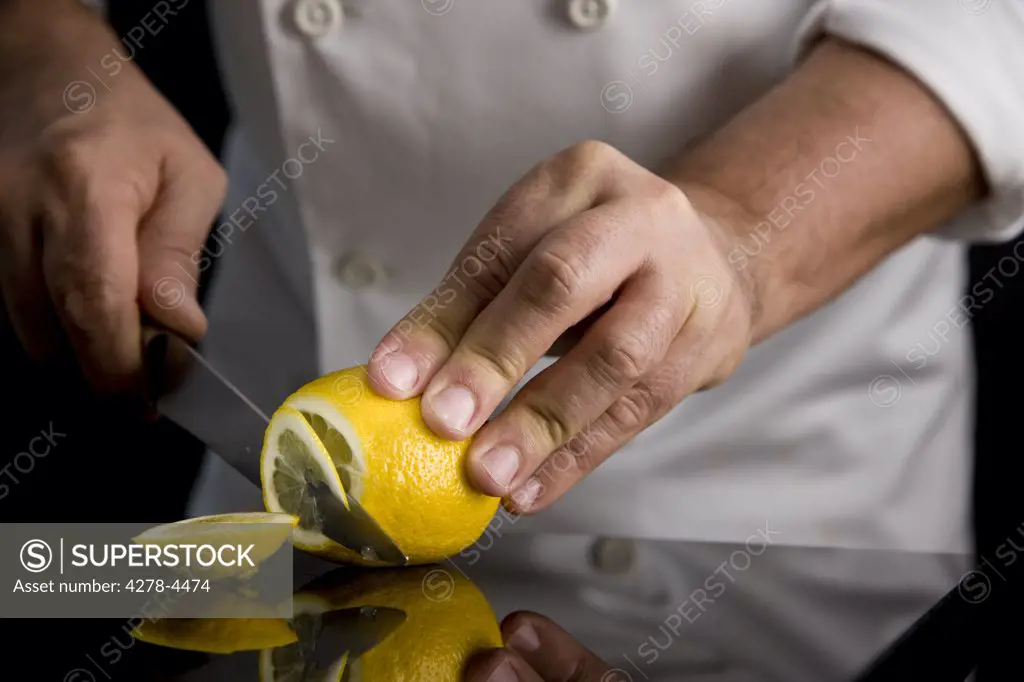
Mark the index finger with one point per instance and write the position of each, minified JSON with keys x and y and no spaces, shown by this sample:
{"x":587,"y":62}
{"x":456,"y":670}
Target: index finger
{"x":91,"y":269}
{"x":573,"y":271}
{"x":420,"y":343}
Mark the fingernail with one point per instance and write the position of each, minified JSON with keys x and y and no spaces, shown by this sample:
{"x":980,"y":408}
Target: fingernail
{"x":501,"y":463}
{"x":524,"y":639}
{"x":527,"y":494}
{"x":400,"y":371}
{"x":504,"y":673}
{"x":454,"y":406}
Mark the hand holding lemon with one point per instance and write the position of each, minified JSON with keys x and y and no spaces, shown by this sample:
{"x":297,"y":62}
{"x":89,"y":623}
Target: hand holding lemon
{"x":337,"y":431}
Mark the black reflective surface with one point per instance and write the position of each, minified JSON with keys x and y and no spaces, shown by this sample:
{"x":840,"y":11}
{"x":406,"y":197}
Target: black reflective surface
{"x":756,"y":610}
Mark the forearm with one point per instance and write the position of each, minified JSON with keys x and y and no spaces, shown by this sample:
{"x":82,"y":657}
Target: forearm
{"x":28,"y":28}
{"x":45,"y":45}
{"x":824,"y":176}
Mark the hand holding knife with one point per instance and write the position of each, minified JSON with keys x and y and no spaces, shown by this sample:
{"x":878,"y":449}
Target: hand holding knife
{"x":181,"y":382}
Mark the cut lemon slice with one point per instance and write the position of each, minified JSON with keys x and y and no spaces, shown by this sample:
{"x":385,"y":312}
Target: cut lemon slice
{"x":265,"y":531}
{"x":382,"y":455}
{"x":348,"y":465}
{"x":294,"y":461}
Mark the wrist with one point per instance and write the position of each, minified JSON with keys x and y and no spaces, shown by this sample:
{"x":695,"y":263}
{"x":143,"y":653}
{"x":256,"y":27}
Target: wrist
{"x":729,"y":225}
{"x":50,"y":53}
{"x":35,"y":28}
{"x":45,"y":45}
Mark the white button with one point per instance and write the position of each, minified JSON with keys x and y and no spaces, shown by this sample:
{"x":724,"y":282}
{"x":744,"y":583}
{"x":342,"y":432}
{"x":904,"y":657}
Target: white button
{"x":612,"y":555}
{"x":588,"y":14}
{"x":316,"y":18}
{"x":359,"y":271}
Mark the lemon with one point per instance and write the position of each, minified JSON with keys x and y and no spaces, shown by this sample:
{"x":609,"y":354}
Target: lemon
{"x":447,"y":620}
{"x":265,"y":531}
{"x":217,"y":635}
{"x":379,"y":452}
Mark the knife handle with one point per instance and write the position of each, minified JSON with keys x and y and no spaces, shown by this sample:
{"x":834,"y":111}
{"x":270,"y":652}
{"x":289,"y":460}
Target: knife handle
{"x":164,"y":369}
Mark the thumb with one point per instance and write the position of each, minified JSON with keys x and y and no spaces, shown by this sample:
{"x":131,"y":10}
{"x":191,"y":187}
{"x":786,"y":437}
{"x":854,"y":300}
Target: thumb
{"x":171,"y":239}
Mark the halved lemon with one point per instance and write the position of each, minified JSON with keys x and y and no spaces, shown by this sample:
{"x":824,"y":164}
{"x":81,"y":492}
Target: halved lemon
{"x":380,"y":453}
{"x":265,"y":531}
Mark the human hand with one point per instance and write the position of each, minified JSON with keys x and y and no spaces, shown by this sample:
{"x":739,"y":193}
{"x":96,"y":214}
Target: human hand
{"x":588,"y":241}
{"x":101,"y":211}
{"x":537,"y":650}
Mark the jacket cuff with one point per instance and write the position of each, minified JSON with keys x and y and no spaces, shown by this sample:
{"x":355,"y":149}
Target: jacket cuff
{"x":970,"y":55}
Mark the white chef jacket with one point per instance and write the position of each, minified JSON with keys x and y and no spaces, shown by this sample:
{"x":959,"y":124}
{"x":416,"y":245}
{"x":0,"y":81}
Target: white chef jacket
{"x":370,"y":137}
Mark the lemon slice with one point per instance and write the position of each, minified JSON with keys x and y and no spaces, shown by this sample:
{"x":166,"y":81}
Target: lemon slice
{"x":380,"y":453}
{"x":265,"y":531}
{"x":294,"y":460}
{"x":217,"y":635}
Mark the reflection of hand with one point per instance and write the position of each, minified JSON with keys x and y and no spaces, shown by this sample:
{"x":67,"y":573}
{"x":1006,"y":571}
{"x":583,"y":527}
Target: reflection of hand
{"x":105,"y":196}
{"x":587,"y":234}
{"x":537,"y":650}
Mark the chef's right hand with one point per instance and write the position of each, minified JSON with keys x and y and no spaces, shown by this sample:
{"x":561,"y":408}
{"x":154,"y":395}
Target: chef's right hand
{"x":105,"y":196}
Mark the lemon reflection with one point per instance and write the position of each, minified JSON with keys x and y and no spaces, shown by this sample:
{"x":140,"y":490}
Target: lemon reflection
{"x":373,"y":625}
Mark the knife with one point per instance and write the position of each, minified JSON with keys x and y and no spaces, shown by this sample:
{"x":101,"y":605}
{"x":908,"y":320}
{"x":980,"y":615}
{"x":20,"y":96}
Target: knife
{"x":352,"y":631}
{"x":180,"y":379}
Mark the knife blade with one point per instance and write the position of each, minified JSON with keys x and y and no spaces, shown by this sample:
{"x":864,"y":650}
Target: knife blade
{"x":181,"y":380}
{"x":354,"y":631}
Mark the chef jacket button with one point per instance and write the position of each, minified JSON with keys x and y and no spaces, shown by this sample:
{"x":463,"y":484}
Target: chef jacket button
{"x":316,"y":18}
{"x":589,"y":14}
{"x":359,"y":271}
{"x":612,"y":555}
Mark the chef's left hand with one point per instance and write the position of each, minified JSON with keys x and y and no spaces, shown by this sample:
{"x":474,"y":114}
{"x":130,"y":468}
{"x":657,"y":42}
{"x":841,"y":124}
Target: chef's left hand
{"x":587,"y":239}
{"x":537,"y":650}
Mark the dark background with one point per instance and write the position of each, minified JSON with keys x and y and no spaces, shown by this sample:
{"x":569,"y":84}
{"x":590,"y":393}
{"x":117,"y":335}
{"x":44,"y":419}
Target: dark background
{"x":111,"y":468}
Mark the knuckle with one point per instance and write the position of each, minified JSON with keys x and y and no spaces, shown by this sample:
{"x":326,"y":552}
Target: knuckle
{"x":553,"y":425}
{"x":72,"y":167}
{"x":481,"y":272}
{"x":103,"y":199}
{"x":505,"y":362}
{"x":621,"y":360}
{"x":583,"y":671}
{"x":66,"y":160}
{"x":581,"y":454}
{"x":669,"y":194}
{"x":214,"y":178}
{"x":445,"y":333}
{"x":588,"y":153}
{"x":563,"y":172}
{"x":554,"y":281}
{"x":83,"y":298}
{"x":635,"y":409}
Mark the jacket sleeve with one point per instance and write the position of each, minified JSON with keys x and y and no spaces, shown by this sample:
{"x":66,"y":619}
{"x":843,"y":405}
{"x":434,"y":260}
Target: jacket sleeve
{"x":970,"y":55}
